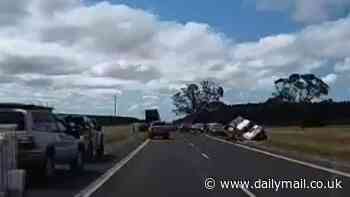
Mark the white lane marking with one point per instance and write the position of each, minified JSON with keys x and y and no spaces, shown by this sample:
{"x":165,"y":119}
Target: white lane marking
{"x":249,"y":193}
{"x":205,"y":155}
{"x":337,"y":172}
{"x":90,"y":189}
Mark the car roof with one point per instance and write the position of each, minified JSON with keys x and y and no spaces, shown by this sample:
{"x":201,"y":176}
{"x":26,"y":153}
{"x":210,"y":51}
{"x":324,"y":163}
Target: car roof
{"x":23,"y":106}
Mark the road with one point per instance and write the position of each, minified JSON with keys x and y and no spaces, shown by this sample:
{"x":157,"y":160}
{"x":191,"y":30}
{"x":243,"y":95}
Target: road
{"x":65,"y":183}
{"x":180,"y":166}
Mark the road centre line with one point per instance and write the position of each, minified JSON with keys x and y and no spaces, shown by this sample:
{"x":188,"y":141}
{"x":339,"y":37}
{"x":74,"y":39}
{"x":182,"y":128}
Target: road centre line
{"x":315,"y":166}
{"x":94,"y":186}
{"x":245,"y":190}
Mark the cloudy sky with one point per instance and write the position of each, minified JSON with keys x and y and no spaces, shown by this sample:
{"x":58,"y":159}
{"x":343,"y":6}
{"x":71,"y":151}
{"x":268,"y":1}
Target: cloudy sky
{"x":76,"y":54}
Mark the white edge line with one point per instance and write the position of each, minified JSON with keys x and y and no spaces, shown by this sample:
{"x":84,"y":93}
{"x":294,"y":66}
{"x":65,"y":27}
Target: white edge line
{"x":245,"y":190}
{"x":90,"y":189}
{"x":205,"y":155}
{"x":345,"y":174}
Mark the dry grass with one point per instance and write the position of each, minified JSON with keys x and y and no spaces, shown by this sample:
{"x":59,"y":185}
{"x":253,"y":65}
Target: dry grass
{"x":330,"y":142}
{"x":115,"y":134}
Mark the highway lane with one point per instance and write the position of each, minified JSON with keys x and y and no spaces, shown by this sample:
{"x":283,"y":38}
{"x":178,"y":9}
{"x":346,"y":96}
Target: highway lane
{"x":180,"y":166}
{"x":163,"y":168}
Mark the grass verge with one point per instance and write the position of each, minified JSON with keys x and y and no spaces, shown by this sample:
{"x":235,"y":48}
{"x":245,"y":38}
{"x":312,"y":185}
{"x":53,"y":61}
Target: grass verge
{"x":328,"y":142}
{"x":115,"y":134}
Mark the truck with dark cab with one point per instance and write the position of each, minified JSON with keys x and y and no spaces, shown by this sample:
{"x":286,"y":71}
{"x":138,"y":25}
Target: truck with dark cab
{"x":151,"y":115}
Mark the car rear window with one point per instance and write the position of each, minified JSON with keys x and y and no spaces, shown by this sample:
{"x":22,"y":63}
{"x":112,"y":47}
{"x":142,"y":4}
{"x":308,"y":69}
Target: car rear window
{"x":44,"y":121}
{"x":12,"y":118}
{"x":159,"y":124}
{"x":76,"y":120}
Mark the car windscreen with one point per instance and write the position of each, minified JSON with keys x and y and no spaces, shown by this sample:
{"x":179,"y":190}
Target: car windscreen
{"x":12,"y":118}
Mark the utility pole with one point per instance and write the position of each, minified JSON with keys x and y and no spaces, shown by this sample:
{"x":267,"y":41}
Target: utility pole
{"x":115,"y":105}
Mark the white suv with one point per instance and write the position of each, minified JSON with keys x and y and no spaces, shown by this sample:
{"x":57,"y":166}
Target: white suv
{"x":42,"y":141}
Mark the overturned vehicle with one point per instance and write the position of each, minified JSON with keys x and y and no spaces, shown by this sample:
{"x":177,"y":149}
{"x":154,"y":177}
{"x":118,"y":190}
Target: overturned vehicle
{"x":243,"y":129}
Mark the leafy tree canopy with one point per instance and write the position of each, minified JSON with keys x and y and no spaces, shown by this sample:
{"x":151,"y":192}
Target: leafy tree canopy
{"x":195,"y":97}
{"x":300,"y":88}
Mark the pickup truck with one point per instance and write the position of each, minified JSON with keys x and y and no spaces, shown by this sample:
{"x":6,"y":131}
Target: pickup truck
{"x":161,"y":129}
{"x":43,"y":141}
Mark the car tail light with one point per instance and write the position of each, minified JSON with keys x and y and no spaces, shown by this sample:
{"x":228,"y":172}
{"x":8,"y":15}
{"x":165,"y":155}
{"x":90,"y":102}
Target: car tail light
{"x":82,"y":138}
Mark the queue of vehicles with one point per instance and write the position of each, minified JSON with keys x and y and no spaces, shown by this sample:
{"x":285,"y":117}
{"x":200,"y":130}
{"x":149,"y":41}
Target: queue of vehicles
{"x":45,"y":140}
{"x":238,"y":129}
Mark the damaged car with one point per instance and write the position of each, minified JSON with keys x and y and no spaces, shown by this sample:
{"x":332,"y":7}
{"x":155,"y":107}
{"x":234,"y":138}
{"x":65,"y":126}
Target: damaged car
{"x":244,"y":129}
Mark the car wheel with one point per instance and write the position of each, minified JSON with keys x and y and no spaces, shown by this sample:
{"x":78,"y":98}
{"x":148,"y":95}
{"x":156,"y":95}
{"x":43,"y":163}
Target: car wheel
{"x":166,"y":136}
{"x":78,"y":164}
{"x":90,"y":152}
{"x":49,"y":169}
{"x":101,"y":150}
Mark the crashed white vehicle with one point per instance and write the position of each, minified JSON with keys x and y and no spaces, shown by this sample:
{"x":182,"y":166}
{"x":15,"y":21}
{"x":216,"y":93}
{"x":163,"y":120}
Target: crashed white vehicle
{"x":243,"y":129}
{"x":253,"y":132}
{"x":244,"y":125}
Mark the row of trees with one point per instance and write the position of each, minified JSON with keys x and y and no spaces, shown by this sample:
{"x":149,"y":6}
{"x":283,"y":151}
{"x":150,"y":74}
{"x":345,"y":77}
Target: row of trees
{"x":297,"y":88}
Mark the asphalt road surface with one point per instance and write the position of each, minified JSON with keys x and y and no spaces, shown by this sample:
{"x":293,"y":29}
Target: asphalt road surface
{"x":68,"y":184}
{"x":180,"y":166}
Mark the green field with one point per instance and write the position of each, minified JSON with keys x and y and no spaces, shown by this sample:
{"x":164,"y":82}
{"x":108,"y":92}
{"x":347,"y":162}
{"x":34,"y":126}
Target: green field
{"x":331,"y":142}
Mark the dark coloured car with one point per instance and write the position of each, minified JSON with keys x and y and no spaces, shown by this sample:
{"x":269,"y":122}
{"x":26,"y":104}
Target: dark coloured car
{"x":161,"y":129}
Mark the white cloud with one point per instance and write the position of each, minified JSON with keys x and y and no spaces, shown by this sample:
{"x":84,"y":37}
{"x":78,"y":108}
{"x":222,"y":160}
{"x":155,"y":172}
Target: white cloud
{"x":343,"y":65}
{"x":86,"y":53}
{"x":11,"y":12}
{"x":133,"y":107}
{"x":150,"y":97}
{"x":51,"y":7}
{"x":330,"y":78}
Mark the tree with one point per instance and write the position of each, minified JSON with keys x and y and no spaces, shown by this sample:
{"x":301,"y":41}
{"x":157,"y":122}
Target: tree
{"x":195,"y":97}
{"x":300,"y":88}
